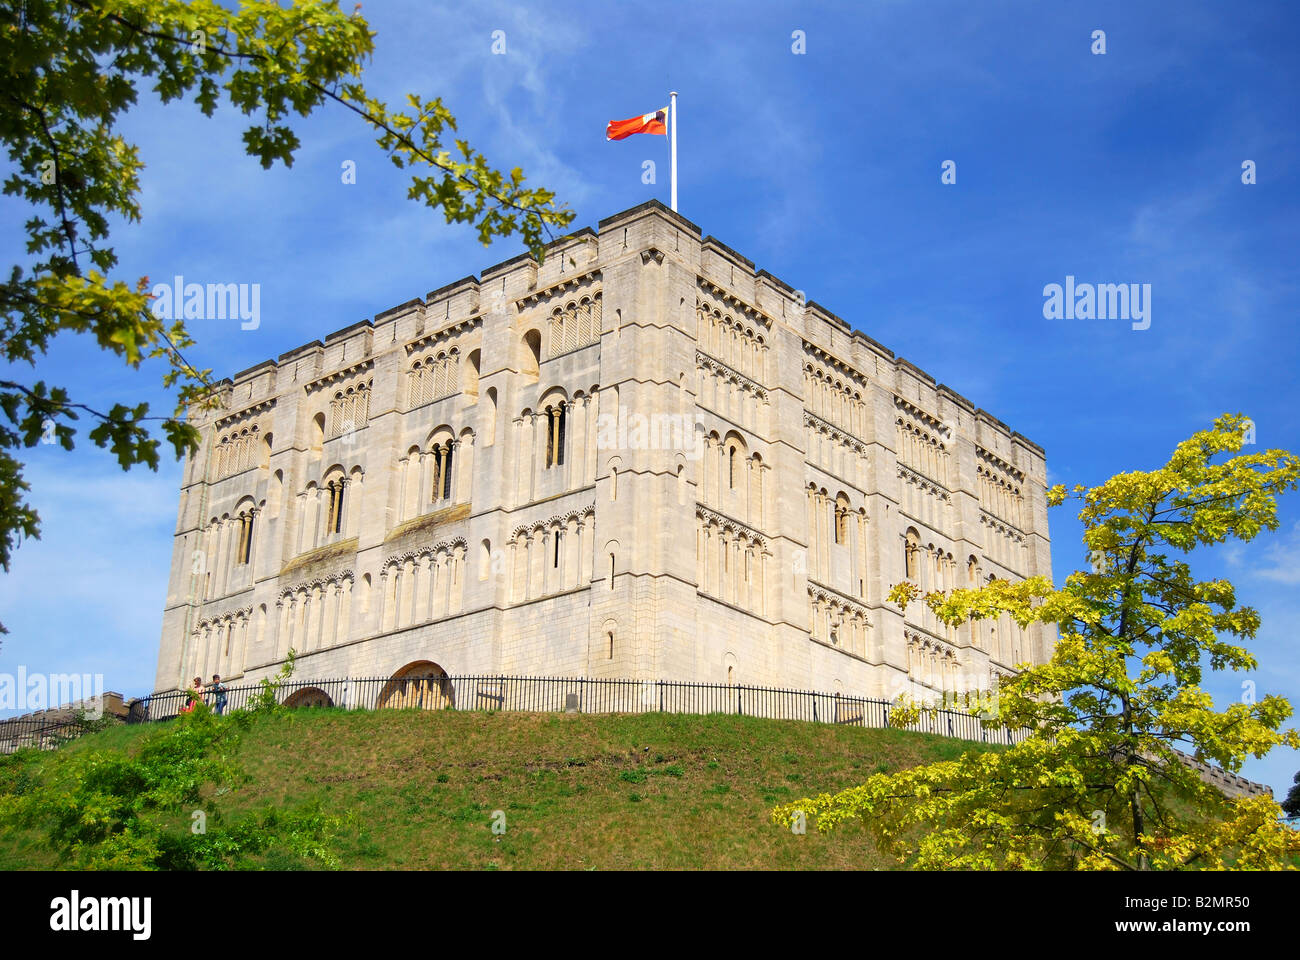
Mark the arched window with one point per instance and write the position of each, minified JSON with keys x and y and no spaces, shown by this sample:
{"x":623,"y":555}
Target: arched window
{"x":334,"y":521}
{"x":555,"y":426}
{"x":244,"y":549}
{"x":532,"y":354}
{"x":471,"y":374}
{"x":911,"y":549}
{"x":842,"y":519}
{"x":442,"y":471}
{"x":317,"y":433}
{"x":731,"y":467}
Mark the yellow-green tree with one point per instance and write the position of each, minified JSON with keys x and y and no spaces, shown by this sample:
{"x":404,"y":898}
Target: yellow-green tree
{"x":69,"y":70}
{"x":1100,"y":782}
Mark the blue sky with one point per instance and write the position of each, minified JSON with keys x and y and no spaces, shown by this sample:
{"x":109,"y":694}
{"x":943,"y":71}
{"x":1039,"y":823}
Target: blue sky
{"x":824,"y":168}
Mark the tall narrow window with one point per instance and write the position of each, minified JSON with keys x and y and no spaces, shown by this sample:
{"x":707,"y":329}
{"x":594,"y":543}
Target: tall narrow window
{"x":246,"y":547}
{"x":559,"y":435}
{"x":731,"y":468}
{"x":437,"y":473}
{"x":555,"y":436}
{"x":912,"y":545}
{"x":329,"y":513}
{"x":611,"y":571}
{"x":446,"y":473}
{"x":559,"y":537}
{"x":334,"y":521}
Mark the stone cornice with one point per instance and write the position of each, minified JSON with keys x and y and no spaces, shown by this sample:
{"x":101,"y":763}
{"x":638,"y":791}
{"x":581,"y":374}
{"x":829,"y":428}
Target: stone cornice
{"x":322,"y":554}
{"x":558,"y":519}
{"x":230,"y":615}
{"x":729,"y":523}
{"x":993,"y":460}
{"x":418,"y":553}
{"x":821,"y":355}
{"x":837,"y":433}
{"x":321,"y":383}
{"x":710,"y":362}
{"x":335,"y":578}
{"x":929,"y":419}
{"x":993,"y":520}
{"x":731,"y":301}
{"x":923,"y":636}
{"x":256,"y":409}
{"x":905,"y":472}
{"x":546,"y":293}
{"x":828,"y":594}
{"x":442,"y":333}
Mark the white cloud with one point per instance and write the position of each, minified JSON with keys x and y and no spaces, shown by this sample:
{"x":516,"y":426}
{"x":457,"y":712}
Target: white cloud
{"x":88,"y":595}
{"x":1283,"y":559}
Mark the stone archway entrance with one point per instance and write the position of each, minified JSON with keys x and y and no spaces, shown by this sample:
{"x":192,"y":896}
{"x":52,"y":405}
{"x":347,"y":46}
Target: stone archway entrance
{"x":422,"y":685}
{"x":309,"y":697}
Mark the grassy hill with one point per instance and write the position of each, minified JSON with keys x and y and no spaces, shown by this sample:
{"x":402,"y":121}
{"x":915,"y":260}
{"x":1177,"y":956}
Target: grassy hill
{"x":656,"y":791}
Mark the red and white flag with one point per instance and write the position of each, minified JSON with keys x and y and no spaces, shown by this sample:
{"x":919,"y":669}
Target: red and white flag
{"x":656,"y":122}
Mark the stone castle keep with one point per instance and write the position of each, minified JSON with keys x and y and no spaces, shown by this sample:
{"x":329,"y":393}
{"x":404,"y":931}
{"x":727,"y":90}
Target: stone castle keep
{"x":642,"y":459}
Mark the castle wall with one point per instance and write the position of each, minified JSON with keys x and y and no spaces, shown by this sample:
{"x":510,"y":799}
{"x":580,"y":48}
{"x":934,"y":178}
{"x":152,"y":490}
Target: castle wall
{"x":642,"y":458}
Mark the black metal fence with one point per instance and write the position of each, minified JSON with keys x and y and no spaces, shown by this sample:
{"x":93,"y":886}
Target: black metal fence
{"x":578,"y":695}
{"x":41,"y":733}
{"x":528,"y":694}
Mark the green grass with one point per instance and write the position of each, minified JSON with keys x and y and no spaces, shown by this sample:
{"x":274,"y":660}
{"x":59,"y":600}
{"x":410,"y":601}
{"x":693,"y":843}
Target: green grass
{"x":579,"y":792}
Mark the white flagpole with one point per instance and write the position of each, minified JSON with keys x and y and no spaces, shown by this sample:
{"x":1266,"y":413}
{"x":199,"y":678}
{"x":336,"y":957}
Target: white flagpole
{"x":673,"y":137}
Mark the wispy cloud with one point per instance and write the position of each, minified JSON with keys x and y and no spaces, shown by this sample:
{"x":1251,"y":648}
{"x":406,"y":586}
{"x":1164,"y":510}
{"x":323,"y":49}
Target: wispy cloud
{"x":1283,"y":559}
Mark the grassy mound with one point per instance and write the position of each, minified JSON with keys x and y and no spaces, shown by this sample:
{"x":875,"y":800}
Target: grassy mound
{"x":653,"y":791}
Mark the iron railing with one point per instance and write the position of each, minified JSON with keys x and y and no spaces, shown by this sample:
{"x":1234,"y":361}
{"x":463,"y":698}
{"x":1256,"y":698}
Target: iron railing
{"x":41,"y":733}
{"x":536,"y":695}
{"x":582,"y":695}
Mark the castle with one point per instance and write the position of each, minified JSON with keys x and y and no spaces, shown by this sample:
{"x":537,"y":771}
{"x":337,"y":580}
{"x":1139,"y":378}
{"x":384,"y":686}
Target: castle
{"x":641,"y":458}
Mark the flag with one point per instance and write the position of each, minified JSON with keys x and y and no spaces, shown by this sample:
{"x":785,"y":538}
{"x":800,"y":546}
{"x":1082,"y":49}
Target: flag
{"x":656,"y":122}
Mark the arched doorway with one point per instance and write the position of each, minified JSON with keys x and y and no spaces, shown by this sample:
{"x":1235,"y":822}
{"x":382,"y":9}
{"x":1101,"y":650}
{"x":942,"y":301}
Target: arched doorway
{"x":422,"y":685}
{"x":309,"y":697}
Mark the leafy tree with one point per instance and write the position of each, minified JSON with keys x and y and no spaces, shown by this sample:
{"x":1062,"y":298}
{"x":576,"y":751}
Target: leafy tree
{"x":1099,"y":782}
{"x":1291,"y":805}
{"x":267,"y":698}
{"x":71,"y":69}
{"x":157,"y":808}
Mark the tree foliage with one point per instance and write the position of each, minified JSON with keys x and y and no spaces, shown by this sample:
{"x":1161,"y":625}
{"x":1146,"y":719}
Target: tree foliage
{"x":1291,"y":804}
{"x":71,"y":69}
{"x":157,"y":808}
{"x":1101,"y":780}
